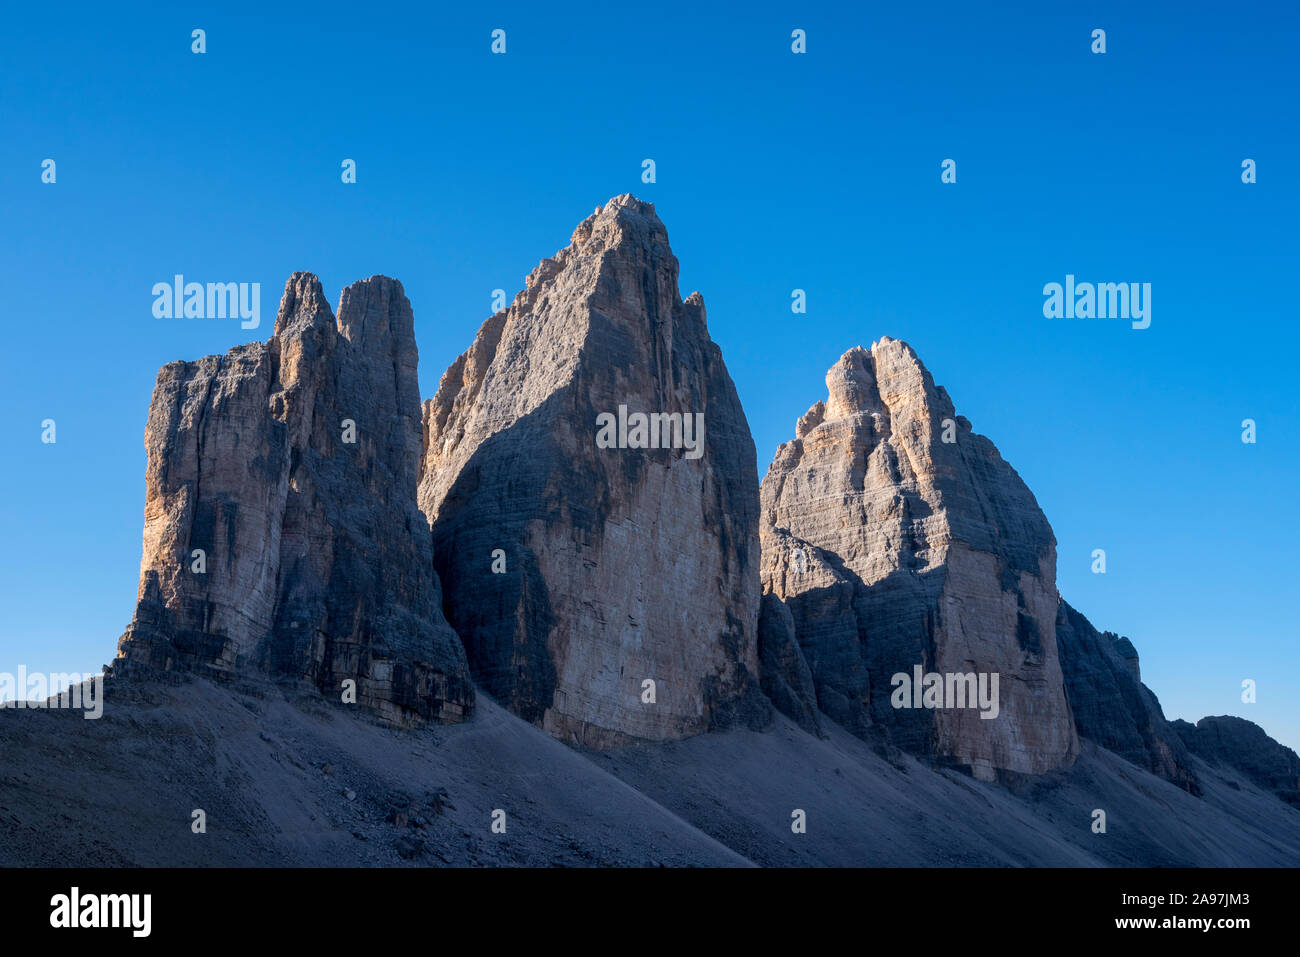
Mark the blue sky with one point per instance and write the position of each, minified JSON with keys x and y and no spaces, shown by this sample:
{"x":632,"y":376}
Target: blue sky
{"x":774,"y":171}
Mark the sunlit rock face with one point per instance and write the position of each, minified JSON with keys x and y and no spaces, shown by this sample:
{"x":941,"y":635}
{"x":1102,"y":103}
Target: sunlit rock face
{"x":898,"y":538}
{"x":282,"y":537}
{"x":624,"y":601}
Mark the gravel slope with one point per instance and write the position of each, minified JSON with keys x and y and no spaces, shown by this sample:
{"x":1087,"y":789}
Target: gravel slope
{"x":289,"y":781}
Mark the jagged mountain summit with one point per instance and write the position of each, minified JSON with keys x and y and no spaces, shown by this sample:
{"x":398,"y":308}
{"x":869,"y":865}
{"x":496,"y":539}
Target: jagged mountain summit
{"x":591,"y":483}
{"x":903,"y":544}
{"x":282,"y":536}
{"x":897,"y":541}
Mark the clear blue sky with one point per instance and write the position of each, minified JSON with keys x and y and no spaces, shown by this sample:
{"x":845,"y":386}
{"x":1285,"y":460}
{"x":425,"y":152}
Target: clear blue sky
{"x":775,"y":171}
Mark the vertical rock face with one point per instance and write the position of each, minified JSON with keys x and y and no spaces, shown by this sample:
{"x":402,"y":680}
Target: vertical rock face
{"x":576,"y":572}
{"x":898,"y":538}
{"x":1111,"y":705}
{"x":292,"y":465}
{"x":1244,"y":745}
{"x":785,"y":676}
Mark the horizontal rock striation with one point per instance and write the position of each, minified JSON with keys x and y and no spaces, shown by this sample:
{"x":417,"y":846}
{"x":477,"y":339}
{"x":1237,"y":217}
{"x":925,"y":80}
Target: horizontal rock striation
{"x":899,"y":538}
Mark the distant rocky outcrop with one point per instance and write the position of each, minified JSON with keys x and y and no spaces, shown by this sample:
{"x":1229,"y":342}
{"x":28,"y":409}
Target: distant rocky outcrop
{"x":578,"y":563}
{"x":1236,"y":743}
{"x":282,"y":536}
{"x":898,"y":538}
{"x":1111,"y":705}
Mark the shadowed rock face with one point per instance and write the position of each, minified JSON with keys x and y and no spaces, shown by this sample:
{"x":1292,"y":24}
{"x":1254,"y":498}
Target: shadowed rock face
{"x":785,"y":676}
{"x":1111,"y":705}
{"x":1236,"y":743}
{"x":318,"y":562}
{"x":615,"y":565}
{"x":894,"y":548}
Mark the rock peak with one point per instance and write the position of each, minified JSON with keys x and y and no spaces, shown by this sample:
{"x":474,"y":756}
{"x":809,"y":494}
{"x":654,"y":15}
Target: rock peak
{"x":375,"y":315}
{"x":613,"y":253}
{"x":282,"y":536}
{"x":850,"y":385}
{"x":622,"y":562}
{"x":624,"y":219}
{"x":898,"y":538}
{"x":853,"y":382}
{"x":303,"y":303}
{"x":626,"y":201}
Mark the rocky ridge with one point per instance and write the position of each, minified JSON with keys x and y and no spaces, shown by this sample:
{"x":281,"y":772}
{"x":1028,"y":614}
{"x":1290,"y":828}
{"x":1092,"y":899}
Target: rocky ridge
{"x":1230,"y":742}
{"x":1110,"y":703}
{"x":613,"y":591}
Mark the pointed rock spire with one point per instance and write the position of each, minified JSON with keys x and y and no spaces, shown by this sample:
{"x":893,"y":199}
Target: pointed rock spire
{"x":899,"y":539}
{"x":601,"y":566}
{"x":282,"y":536}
